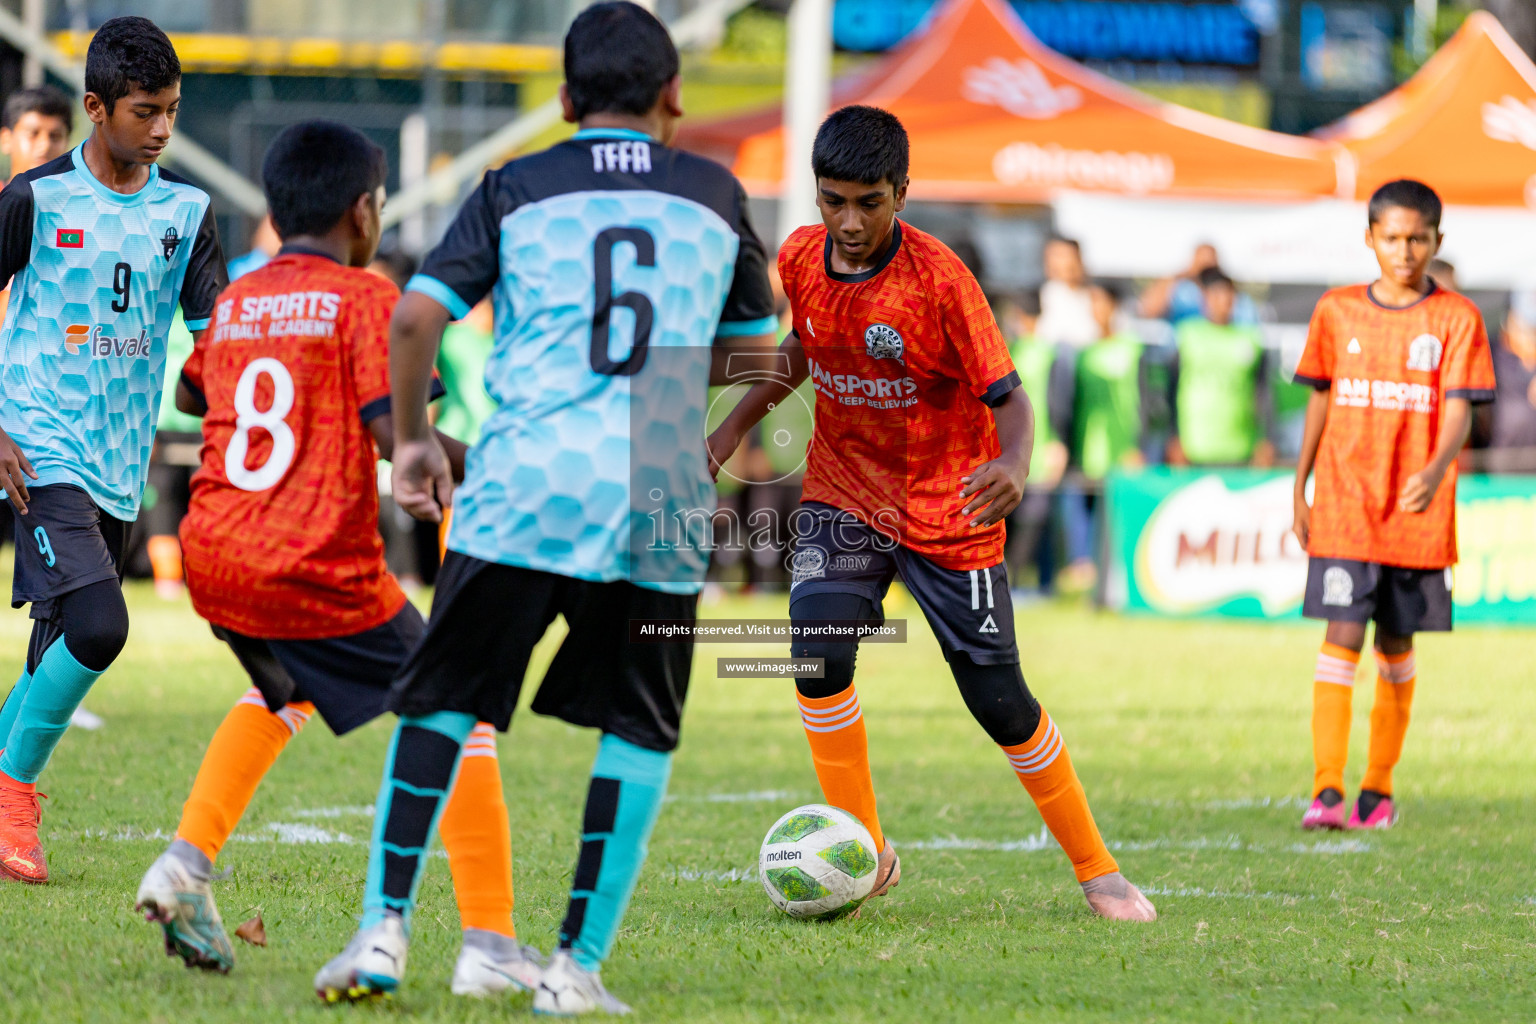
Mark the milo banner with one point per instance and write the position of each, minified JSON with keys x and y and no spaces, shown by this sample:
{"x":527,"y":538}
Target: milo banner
{"x":1187,"y":542}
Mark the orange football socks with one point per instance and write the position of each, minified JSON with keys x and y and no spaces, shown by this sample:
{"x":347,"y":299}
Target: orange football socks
{"x":242,"y":751}
{"x":1395,"y":676}
{"x":478,"y":837}
{"x":840,"y":750}
{"x":1333,"y":687}
{"x":1045,"y":768}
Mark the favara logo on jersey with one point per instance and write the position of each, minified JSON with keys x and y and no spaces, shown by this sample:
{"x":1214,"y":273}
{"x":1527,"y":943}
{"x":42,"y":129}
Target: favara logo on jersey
{"x":97,"y":341}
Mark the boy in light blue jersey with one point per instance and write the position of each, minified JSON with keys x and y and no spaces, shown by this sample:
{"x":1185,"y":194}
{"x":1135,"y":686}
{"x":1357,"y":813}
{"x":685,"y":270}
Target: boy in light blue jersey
{"x":614,"y":263}
{"x":98,"y":246}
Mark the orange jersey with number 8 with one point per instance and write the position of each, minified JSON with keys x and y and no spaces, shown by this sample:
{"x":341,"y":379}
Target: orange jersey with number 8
{"x":281,"y":539}
{"x":1389,"y":373}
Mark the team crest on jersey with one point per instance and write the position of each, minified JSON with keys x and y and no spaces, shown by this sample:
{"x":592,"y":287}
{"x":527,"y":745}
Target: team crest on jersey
{"x":1338,"y":587}
{"x":1424,"y":353}
{"x":882,"y":342}
{"x":170,"y":242}
{"x":808,"y":563}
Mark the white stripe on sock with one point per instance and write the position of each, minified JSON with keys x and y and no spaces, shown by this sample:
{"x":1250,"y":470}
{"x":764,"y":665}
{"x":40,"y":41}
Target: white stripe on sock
{"x":833,"y":728}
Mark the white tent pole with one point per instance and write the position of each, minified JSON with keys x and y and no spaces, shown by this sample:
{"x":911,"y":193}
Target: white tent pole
{"x":703,"y":24}
{"x":1425,"y":13}
{"x":807,"y":92}
{"x":182,"y":151}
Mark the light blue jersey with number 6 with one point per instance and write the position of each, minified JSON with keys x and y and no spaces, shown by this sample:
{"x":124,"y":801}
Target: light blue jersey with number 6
{"x":614,"y":264}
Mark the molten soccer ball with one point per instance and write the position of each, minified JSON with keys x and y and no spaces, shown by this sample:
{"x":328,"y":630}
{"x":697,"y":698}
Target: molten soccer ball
{"x":817,"y":862}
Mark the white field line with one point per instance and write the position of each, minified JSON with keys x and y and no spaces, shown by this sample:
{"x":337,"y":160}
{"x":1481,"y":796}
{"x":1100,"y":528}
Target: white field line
{"x":1248,"y":803}
{"x":1043,"y":840}
{"x":760,"y":796}
{"x":749,"y":875}
{"x":349,"y":811}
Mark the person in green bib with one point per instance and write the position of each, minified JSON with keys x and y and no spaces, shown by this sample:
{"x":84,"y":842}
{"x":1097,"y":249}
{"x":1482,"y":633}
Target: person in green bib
{"x":1045,"y":372}
{"x":1221,"y":398}
{"x":1110,"y":403}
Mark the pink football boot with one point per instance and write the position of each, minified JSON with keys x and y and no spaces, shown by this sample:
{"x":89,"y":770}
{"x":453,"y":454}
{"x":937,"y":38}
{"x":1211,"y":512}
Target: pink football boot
{"x":1327,"y":811}
{"x":1379,"y":811}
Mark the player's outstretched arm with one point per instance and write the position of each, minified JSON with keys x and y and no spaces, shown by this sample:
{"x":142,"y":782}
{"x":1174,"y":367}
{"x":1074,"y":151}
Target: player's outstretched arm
{"x":15,"y":467}
{"x":1419,"y":490}
{"x":995,"y":488}
{"x":756,"y":403}
{"x":1311,"y":437}
{"x":422,"y":480}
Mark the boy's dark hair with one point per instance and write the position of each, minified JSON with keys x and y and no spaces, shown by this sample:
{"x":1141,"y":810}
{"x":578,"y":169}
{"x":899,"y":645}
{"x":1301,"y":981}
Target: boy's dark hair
{"x":1064,"y":240}
{"x":1410,"y":195}
{"x":618,"y":58}
{"x":399,"y":266}
{"x":314,"y":171}
{"x":863,"y":144}
{"x":41,"y":99}
{"x":1213,"y":277}
{"x":1110,"y":288}
{"x":128,"y":52}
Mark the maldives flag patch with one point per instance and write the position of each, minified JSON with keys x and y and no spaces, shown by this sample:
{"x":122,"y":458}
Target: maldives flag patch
{"x":70,"y":238}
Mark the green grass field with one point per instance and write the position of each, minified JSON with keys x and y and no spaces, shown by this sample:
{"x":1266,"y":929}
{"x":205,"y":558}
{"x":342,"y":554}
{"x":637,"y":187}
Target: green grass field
{"x":1192,"y":740}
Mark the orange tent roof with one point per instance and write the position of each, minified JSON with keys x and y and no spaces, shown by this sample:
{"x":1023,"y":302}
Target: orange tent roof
{"x":996,"y":116}
{"x":1465,"y":124}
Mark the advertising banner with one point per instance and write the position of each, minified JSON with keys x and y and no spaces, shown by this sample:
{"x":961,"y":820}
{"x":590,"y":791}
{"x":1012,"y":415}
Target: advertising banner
{"x":1189,"y":542}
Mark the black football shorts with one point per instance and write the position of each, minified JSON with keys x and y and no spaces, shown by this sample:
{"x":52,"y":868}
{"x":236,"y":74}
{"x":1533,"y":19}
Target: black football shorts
{"x":969,"y":610}
{"x":347,"y":678}
{"x":1401,"y":601}
{"x":486,"y":620}
{"x":63,"y":543}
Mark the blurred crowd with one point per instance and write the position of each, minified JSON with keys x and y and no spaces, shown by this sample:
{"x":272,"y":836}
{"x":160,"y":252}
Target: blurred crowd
{"x":1180,"y":374}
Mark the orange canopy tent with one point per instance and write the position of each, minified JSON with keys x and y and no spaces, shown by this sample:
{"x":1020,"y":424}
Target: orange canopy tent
{"x":1465,"y":124}
{"x":996,"y":116}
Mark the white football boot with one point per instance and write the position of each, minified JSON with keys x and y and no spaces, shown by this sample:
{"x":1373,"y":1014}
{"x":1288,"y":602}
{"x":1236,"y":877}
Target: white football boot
{"x":371,"y":966}
{"x":570,"y":990}
{"x":175,"y":894}
{"x":490,"y":963}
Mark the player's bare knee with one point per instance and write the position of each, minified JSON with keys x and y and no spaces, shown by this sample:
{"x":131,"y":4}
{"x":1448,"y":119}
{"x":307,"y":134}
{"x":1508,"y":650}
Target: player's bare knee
{"x":1393,"y":643}
{"x":1346,"y":634}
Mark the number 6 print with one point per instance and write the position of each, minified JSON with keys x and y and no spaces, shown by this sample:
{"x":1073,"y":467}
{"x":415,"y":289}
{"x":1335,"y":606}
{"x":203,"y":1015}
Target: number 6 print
{"x":247,"y":416}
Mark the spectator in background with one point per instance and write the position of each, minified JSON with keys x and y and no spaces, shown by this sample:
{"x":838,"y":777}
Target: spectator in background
{"x":34,"y":129}
{"x":1220,"y":385}
{"x":1046,"y":375}
{"x":1109,"y":406}
{"x":1180,"y":297}
{"x":1066,"y":305}
{"x":35,"y":126}
{"x":264,"y":245}
{"x":1508,"y":425}
{"x":411,"y":547}
{"x":1443,"y":273}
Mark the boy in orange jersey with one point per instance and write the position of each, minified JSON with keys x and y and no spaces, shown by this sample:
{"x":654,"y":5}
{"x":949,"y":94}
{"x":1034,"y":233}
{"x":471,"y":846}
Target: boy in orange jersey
{"x":1397,"y":365}
{"x":921,"y":449}
{"x":283,"y":554}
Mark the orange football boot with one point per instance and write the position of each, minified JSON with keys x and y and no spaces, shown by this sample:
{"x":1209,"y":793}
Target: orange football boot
{"x":21,"y":854}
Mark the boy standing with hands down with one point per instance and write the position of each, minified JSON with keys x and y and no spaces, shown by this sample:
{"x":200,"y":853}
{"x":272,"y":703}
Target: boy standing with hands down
{"x":1397,"y":365}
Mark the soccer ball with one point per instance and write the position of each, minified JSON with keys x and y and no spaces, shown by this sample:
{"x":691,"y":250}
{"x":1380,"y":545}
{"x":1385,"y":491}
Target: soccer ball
{"x":817,"y":862}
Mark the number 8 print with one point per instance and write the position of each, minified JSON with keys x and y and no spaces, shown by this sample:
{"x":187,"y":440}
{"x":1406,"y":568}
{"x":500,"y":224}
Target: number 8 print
{"x":247,"y":417}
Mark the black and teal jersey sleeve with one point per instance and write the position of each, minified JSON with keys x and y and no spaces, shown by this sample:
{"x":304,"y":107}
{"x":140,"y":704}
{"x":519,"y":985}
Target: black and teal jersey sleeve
{"x":463,"y":267}
{"x":749,"y":304}
{"x":206,"y":275}
{"x":16,"y":210}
